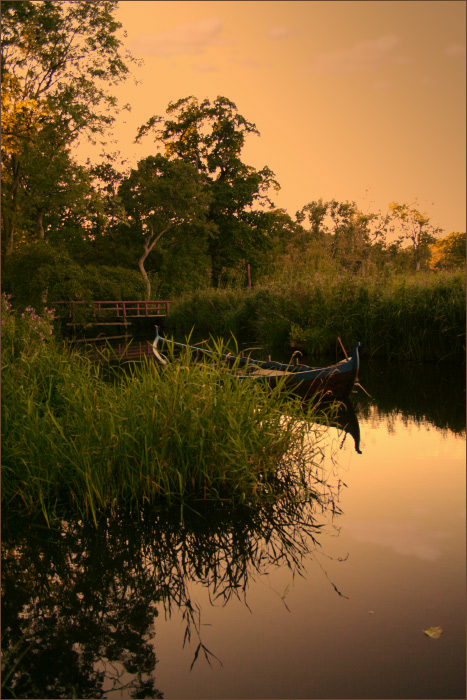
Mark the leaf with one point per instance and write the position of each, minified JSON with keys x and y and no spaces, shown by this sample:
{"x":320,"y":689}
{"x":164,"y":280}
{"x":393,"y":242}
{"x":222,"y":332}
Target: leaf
{"x":433,"y":632}
{"x":196,"y":655}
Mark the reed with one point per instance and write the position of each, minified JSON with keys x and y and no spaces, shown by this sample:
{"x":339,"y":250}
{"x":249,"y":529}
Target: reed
{"x":216,"y":311}
{"x":73,"y":440}
{"x":410,"y":317}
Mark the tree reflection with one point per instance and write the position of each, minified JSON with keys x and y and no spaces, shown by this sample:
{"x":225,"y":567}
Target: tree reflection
{"x":79,"y":603}
{"x":416,"y":392}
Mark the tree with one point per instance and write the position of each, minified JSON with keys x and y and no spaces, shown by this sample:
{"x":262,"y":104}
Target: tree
{"x":35,"y":270}
{"x":416,"y":230}
{"x":448,"y":252}
{"x":53,"y":196}
{"x":57,"y":62}
{"x":162,"y":197}
{"x":210,"y":136}
{"x":37,"y":273}
{"x":287,"y":240}
{"x":343,"y":230}
{"x":108,"y":209}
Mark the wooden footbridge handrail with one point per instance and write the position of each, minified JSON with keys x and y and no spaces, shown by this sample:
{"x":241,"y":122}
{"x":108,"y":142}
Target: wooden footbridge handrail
{"x":121,"y":309}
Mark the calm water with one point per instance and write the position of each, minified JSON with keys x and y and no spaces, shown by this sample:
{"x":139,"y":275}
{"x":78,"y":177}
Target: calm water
{"x":289,"y":603}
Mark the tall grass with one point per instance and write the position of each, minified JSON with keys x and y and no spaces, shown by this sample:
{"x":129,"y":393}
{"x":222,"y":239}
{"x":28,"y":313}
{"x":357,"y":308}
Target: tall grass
{"x":410,"y":317}
{"x":73,"y":440}
{"x":216,"y":311}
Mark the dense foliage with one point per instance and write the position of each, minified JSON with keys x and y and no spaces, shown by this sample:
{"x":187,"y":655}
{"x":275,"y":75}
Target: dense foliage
{"x":192,"y":216}
{"x":58,"y":61}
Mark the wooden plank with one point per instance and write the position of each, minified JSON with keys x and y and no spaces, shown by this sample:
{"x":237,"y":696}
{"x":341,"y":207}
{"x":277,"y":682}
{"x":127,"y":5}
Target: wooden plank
{"x":101,"y":338}
{"x":98,"y":323}
{"x":267,"y":373}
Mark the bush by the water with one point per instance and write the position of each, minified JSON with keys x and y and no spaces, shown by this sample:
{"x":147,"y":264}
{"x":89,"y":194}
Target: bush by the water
{"x":37,"y":271}
{"x":410,"y":317}
{"x":76,"y":440}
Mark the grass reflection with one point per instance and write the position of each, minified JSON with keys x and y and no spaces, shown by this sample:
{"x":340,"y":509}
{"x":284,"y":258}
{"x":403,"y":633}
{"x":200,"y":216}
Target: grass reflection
{"x":79,"y":604}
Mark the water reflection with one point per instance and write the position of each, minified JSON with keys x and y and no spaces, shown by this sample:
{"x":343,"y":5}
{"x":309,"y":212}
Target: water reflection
{"x":346,"y":420}
{"x":408,"y":538}
{"x":417,"y":392}
{"x":79,"y":605}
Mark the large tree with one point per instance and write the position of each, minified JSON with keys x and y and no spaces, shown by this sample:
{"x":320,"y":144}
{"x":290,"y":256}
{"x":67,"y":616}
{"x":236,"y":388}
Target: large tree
{"x":162,"y":198}
{"x":58,"y":63}
{"x":210,"y":136}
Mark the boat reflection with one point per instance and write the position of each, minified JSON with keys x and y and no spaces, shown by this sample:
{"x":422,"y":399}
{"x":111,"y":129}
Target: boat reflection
{"x":345,"y":419}
{"x":340,"y":415}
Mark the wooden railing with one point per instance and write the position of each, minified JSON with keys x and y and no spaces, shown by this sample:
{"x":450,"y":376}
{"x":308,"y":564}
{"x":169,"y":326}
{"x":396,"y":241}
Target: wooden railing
{"x":121,"y":309}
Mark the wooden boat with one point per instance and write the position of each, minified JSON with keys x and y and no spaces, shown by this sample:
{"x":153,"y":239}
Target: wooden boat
{"x":335,"y":381}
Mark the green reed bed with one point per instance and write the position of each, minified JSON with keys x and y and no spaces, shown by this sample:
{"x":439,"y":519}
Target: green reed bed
{"x":75,"y":440}
{"x":412,"y":317}
{"x":216,"y":311}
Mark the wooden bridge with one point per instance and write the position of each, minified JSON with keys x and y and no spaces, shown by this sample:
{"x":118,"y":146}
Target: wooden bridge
{"x":118,"y":316}
{"x":116,"y":309}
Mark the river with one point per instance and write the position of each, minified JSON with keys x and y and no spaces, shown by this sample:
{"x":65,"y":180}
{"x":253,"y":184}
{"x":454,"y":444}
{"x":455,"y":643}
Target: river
{"x":298,"y":602}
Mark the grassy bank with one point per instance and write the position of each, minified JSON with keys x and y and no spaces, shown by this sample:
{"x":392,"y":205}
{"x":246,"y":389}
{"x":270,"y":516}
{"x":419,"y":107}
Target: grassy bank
{"x":414,"y":318}
{"x":76,"y":442}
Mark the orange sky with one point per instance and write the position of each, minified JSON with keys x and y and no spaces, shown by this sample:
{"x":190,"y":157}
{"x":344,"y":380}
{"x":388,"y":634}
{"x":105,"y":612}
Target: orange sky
{"x":360,"y":101}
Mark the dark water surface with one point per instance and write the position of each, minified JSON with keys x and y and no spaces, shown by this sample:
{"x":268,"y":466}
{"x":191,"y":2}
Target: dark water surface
{"x":289,"y":602}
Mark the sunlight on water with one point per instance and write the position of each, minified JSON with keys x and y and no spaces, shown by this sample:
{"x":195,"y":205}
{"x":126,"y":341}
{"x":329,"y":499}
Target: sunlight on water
{"x":396,"y":556}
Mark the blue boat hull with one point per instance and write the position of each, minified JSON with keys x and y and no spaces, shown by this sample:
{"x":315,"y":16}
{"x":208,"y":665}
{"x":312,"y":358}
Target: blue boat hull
{"x":334,"y":381}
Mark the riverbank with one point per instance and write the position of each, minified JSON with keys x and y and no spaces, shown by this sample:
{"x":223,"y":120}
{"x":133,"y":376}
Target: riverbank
{"x":76,"y":441}
{"x":411,"y":317}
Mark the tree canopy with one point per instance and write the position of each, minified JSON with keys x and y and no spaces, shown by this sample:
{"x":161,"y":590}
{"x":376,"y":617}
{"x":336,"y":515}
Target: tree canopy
{"x":58,"y":64}
{"x":416,"y":229}
{"x":448,"y":252}
{"x":210,"y":136}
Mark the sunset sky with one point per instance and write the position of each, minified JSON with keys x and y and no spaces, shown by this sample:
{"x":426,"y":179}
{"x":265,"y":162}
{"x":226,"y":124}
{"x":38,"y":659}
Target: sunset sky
{"x":359,"y":101}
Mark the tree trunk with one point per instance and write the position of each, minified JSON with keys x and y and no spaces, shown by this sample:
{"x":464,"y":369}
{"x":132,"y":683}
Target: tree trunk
{"x":8,"y":233}
{"x":8,"y":213}
{"x":148,"y":246}
{"x":39,"y":224}
{"x":146,"y":280}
